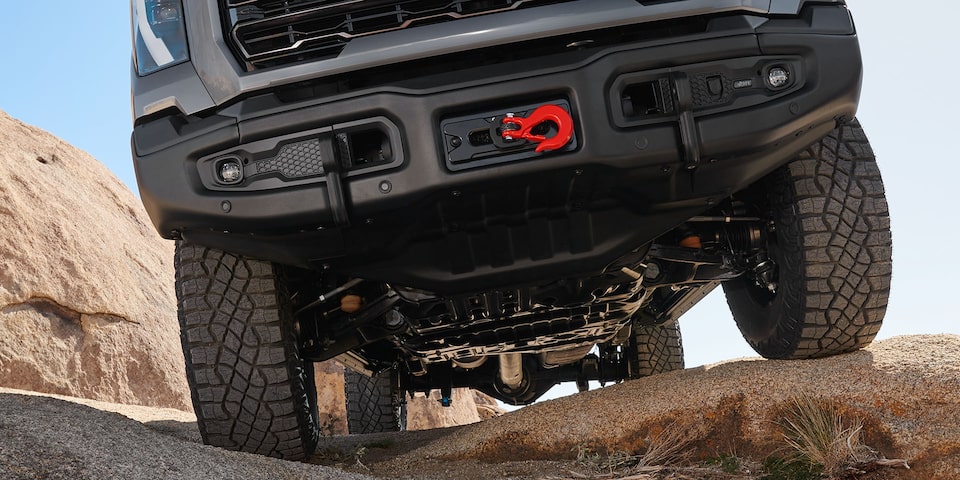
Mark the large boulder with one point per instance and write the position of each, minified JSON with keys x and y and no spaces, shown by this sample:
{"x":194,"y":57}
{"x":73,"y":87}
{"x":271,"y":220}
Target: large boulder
{"x":331,"y":398}
{"x":87,"y":306}
{"x":905,"y":390}
{"x":424,"y":412}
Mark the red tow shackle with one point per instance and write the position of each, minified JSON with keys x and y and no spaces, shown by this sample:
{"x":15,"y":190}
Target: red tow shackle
{"x":521,"y":127}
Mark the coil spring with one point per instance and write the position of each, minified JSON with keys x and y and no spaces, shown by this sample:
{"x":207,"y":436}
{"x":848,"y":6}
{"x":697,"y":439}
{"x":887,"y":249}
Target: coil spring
{"x":744,"y":238}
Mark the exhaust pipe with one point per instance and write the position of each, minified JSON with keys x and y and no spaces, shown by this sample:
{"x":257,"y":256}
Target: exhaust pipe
{"x":511,"y":370}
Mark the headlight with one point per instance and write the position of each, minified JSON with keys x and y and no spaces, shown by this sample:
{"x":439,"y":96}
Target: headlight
{"x":159,"y":34}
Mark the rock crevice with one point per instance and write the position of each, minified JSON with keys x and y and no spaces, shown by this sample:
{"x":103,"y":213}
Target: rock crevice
{"x":48,"y":306}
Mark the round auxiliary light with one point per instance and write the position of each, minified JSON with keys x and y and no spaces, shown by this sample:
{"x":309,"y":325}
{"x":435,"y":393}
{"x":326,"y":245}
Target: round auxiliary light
{"x":163,"y":12}
{"x":778,"y":77}
{"x":230,"y":171}
{"x":167,"y":13}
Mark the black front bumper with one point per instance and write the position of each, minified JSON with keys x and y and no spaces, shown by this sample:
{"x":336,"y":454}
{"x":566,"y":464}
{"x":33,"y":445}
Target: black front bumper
{"x":416,"y":217}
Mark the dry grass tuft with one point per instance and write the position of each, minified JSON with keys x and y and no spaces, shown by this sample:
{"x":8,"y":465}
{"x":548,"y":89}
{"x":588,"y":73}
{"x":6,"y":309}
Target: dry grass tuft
{"x":819,"y":434}
{"x":669,"y":446}
{"x":664,"y":449}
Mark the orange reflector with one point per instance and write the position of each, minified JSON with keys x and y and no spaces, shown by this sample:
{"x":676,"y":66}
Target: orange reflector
{"x":692,"y":241}
{"x":351,"y":303}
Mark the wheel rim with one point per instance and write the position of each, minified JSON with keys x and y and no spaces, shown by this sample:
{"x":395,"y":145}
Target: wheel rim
{"x":762,"y":326}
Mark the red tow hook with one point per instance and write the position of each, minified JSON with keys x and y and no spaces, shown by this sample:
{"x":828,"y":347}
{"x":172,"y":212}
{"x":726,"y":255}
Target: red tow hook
{"x":521,"y":127}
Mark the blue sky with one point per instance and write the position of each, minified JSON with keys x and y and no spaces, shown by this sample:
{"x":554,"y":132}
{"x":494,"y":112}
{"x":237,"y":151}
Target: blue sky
{"x":65,"y":68}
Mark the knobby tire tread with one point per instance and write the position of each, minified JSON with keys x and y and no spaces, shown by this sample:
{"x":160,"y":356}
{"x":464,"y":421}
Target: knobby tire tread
{"x":657,"y":349}
{"x":373,"y":403}
{"x":251,"y":391}
{"x":833,"y":232}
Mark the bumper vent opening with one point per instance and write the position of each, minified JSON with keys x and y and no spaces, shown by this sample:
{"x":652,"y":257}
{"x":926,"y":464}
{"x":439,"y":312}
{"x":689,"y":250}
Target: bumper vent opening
{"x":363,"y":148}
{"x":647,"y":99}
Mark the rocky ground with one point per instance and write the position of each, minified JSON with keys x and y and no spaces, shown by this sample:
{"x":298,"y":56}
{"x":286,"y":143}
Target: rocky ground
{"x":51,"y":438}
{"x":904,"y":390}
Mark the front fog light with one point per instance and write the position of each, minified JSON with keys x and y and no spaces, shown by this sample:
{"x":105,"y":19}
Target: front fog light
{"x":230,"y":171}
{"x":778,"y":77}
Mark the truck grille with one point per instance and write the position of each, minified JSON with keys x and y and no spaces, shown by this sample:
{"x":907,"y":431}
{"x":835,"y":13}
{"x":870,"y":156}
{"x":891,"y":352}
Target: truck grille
{"x":269,"y":33}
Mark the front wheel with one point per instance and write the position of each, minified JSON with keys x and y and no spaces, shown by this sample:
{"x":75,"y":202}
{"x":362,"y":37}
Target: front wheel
{"x":251,"y":389}
{"x":829,"y":241}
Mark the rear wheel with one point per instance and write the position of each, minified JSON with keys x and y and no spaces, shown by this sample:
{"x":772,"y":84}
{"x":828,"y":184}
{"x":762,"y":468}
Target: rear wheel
{"x":655,"y":349}
{"x":251,"y":390}
{"x":374,"y":404}
{"x":830,"y":243}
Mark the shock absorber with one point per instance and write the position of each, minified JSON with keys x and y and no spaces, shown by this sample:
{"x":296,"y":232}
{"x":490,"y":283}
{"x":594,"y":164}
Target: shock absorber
{"x":735,"y":235}
{"x":744,"y":237}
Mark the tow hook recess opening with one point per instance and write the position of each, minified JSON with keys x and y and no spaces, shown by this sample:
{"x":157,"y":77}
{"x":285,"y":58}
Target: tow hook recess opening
{"x":525,"y":128}
{"x":479,"y":138}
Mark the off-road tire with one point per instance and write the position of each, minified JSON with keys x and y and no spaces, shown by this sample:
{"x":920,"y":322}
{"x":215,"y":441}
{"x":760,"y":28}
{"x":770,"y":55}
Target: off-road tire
{"x":374,"y":404}
{"x":655,"y":349}
{"x":251,"y":390}
{"x":832,"y":248}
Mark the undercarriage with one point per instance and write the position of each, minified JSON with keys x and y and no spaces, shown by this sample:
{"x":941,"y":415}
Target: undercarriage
{"x":517,"y":343}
